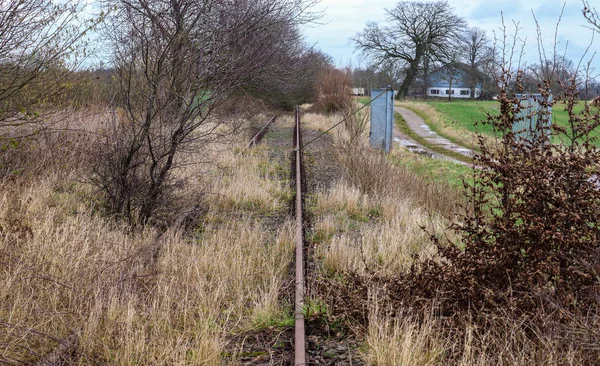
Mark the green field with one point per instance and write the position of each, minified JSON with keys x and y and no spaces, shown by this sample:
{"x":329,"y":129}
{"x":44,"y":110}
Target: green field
{"x":363,"y":100}
{"x":469,"y":114}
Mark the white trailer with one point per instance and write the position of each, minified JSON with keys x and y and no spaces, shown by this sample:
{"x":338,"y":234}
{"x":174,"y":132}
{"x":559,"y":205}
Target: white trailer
{"x":358,"y":91}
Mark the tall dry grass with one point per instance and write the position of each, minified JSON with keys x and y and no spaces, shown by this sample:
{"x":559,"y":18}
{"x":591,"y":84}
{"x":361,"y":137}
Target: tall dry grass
{"x":114,"y":296}
{"x":372,"y":218}
{"x":250,"y":182}
{"x":370,"y":233}
{"x":407,"y":341}
{"x":429,"y":340}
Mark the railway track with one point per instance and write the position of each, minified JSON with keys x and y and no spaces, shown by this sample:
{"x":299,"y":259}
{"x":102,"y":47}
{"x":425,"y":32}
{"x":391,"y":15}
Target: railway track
{"x":261,"y":133}
{"x":299,"y":178}
{"x":310,"y":345}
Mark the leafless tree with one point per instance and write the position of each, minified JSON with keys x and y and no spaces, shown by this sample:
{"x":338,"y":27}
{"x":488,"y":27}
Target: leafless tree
{"x":477,"y":52}
{"x":293,"y":81}
{"x":388,"y":73}
{"x":176,"y":61}
{"x":557,"y":72}
{"x":416,"y":32}
{"x":554,"y":69}
{"x":41,"y":42}
{"x":590,"y":87}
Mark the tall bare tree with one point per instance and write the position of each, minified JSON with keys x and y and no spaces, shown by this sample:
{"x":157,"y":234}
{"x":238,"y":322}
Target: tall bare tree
{"x":557,"y":72}
{"x":416,"y":32}
{"x":176,"y":61}
{"x":477,"y":52}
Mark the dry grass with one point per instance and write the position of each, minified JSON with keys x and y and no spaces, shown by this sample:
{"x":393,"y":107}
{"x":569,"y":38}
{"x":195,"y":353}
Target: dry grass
{"x":355,"y":123}
{"x":321,"y":122}
{"x":428,"y":341}
{"x":250,"y":182}
{"x":137,"y":297}
{"x":371,"y":222}
{"x":378,"y":234}
{"x":399,"y":342}
{"x":373,"y":217}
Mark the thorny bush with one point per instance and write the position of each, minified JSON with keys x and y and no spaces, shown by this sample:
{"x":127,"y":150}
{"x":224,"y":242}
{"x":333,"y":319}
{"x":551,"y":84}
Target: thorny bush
{"x":530,"y":237}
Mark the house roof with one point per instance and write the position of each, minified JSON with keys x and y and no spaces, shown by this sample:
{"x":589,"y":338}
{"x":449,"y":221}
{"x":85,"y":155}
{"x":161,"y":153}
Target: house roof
{"x":441,"y":77}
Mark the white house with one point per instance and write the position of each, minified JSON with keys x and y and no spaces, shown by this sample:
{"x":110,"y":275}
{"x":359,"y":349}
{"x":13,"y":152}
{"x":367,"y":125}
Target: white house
{"x":445,"y":83}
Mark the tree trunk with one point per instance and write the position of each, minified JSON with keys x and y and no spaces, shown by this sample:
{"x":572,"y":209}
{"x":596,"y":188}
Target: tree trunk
{"x":473,"y":78}
{"x":411,"y":74}
{"x":425,"y":78}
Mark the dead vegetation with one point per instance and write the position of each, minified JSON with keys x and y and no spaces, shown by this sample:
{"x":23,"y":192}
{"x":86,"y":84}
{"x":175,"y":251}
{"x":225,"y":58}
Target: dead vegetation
{"x":333,"y":90}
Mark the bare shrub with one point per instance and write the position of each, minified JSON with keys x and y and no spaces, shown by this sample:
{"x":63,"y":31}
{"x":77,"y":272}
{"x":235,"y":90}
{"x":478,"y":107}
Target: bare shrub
{"x":356,"y":124}
{"x":333,"y":90}
{"x":532,"y":233}
{"x":42,"y":43}
{"x":175,"y":64}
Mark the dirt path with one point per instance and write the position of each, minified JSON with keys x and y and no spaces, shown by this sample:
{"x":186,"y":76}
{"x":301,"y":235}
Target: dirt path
{"x":418,"y":125}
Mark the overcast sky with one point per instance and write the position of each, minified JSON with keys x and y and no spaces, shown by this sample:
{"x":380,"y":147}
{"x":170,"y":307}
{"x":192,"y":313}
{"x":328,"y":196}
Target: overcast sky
{"x":344,"y":18}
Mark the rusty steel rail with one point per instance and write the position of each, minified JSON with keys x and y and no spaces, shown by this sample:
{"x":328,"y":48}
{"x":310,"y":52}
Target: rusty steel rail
{"x":259,"y":135}
{"x":299,"y":334}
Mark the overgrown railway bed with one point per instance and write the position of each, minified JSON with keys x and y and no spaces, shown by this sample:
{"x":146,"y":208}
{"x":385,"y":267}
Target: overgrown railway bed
{"x":310,"y":341}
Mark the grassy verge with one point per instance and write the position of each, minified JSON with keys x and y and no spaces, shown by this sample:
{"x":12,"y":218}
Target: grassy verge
{"x":443,"y":126}
{"x":363,"y":100}
{"x":464,"y":115}
{"x":403,"y":127}
{"x":435,"y":170}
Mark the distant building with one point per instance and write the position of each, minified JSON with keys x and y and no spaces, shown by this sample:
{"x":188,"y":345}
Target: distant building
{"x":451,"y":82}
{"x":358,"y":91}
